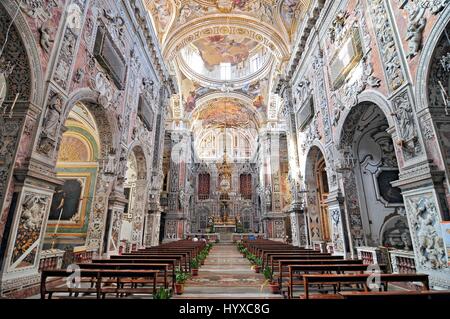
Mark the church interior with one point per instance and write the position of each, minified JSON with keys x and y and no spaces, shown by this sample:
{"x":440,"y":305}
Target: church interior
{"x":189,"y":149}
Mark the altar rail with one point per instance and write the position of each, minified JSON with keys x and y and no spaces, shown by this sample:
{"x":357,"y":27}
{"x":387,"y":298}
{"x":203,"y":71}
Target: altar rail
{"x":402,"y":261}
{"x":243,"y":236}
{"x":398,"y":261}
{"x":210,"y":237}
{"x":51,"y":259}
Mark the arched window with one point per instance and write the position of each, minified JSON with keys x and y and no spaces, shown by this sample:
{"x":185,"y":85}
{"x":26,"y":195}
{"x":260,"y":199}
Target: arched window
{"x":203,"y":186}
{"x":246,"y":186}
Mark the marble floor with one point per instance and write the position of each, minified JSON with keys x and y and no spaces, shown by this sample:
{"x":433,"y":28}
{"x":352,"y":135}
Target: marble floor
{"x":226,"y":275}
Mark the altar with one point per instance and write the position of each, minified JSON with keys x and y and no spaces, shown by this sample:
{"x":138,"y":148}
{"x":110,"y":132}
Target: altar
{"x":225,"y":232}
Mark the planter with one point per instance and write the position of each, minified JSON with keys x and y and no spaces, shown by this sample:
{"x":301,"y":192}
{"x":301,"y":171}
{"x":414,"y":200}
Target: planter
{"x":179,"y":289}
{"x":194,"y":272}
{"x":202,"y":262}
{"x":275,"y":288}
{"x":257,"y":269}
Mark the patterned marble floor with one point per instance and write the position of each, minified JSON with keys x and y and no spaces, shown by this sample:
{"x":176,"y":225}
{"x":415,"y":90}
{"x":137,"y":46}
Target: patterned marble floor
{"x":226,"y":275}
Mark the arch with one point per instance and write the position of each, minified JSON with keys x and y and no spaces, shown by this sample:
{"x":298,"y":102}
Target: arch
{"x":141,"y":160}
{"x":106,"y":122}
{"x":36,"y":96}
{"x":366,"y":98}
{"x":316,"y":218}
{"x":206,"y":26}
{"x":423,"y":69}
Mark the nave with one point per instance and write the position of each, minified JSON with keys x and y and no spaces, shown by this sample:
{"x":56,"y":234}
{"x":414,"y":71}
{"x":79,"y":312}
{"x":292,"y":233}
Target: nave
{"x":251,"y":269}
{"x":129,"y":128}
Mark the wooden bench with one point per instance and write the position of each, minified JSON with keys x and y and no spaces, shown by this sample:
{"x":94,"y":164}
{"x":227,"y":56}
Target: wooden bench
{"x":162,"y":268}
{"x":284,"y":264}
{"x":396,"y":295}
{"x":361,"y":279}
{"x":171,"y":262}
{"x":98,"y":275}
{"x":297,"y":272}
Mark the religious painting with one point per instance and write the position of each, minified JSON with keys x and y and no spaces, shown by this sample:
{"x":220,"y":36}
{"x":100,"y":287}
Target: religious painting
{"x":257,"y":91}
{"x":162,"y":14}
{"x":228,"y":113}
{"x":390,"y":194}
{"x":218,"y":49}
{"x":290,"y":11}
{"x":66,"y":201}
{"x":191,"y":93}
{"x":445,"y":226}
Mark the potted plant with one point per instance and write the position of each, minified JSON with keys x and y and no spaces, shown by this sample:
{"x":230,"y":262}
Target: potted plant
{"x":268,"y":275}
{"x":181,"y":277}
{"x":194,"y":266}
{"x":257,"y":264}
{"x":162,"y":293}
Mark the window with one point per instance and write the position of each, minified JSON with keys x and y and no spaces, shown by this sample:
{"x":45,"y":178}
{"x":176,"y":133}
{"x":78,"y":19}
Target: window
{"x":225,"y":71}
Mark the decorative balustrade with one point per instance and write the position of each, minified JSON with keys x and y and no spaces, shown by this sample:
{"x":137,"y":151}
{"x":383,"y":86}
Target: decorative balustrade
{"x":374,"y":255}
{"x":402,"y":261}
{"x":319,"y":246}
{"x":83,"y":254}
{"x":209,"y":236}
{"x":245,"y":236}
{"x":51,"y":259}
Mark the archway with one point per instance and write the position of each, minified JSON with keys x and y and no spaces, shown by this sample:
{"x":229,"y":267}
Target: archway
{"x":77,"y":167}
{"x":316,"y":182}
{"x":135,"y":190}
{"x":103,"y":231}
{"x":20,"y":87}
{"x":368,"y":166}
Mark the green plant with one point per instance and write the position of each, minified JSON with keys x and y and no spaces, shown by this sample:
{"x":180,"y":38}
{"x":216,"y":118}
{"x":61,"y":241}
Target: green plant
{"x":268,"y":274}
{"x":194,"y":263}
{"x":162,"y":293}
{"x":258,"y":261}
{"x":181,"y":277}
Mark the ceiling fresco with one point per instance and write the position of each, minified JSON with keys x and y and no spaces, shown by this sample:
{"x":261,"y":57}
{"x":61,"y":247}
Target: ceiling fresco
{"x":219,"y":49}
{"x":226,"y":112}
{"x":220,"y":46}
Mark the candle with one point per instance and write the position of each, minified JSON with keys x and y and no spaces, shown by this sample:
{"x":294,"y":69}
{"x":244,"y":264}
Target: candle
{"x":14,"y":104}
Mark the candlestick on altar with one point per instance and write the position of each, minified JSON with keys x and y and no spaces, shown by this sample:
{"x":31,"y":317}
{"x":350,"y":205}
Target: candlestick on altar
{"x":14,"y":104}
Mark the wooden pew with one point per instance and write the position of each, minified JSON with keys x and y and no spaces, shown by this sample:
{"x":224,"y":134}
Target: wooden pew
{"x":162,"y":268}
{"x":284,"y":264}
{"x":335,"y":279}
{"x":185,"y":256}
{"x":269,"y":254}
{"x":408,"y":295}
{"x":171,"y":262}
{"x":181,"y":262}
{"x":99,"y":275}
{"x":297,"y":272}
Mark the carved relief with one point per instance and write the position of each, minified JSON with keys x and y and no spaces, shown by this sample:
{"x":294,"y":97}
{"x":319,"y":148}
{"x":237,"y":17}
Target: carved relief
{"x":51,"y":124}
{"x":404,"y":116}
{"x":385,"y":35}
{"x":424,"y":220}
{"x":26,"y":244}
{"x":321,"y":96}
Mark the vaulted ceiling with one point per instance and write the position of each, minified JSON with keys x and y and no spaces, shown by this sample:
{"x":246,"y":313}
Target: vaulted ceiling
{"x":225,"y":50}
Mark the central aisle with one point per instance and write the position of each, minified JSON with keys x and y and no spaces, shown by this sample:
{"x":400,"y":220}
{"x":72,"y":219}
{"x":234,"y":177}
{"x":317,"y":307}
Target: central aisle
{"x":226,"y":275}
